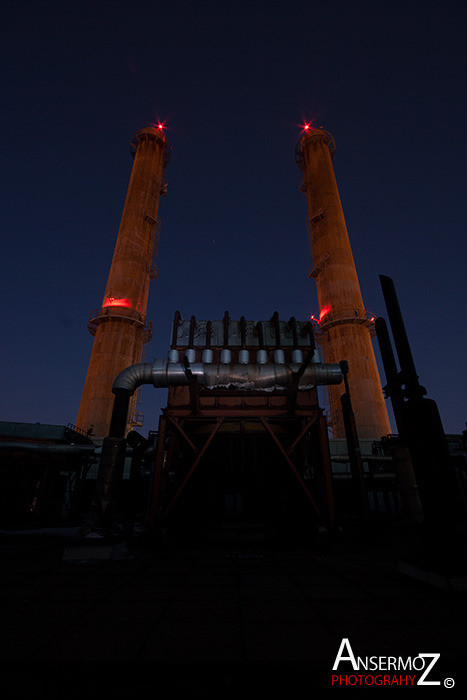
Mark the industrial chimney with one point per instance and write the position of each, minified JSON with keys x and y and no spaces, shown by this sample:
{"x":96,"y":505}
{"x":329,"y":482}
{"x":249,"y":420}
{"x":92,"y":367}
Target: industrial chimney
{"x":345,"y":327}
{"x":120,"y":326}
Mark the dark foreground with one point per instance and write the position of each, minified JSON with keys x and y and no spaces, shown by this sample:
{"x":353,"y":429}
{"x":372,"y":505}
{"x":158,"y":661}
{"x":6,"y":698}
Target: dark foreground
{"x":215,"y":622}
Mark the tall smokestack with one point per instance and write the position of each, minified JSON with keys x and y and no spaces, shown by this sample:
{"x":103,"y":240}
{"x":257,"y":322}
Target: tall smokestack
{"x":344,"y":324}
{"x":120,"y":326}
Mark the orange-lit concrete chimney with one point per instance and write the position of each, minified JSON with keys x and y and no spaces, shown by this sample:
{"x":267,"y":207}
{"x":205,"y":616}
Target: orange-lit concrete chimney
{"x":344,"y":325}
{"x":120,"y":326}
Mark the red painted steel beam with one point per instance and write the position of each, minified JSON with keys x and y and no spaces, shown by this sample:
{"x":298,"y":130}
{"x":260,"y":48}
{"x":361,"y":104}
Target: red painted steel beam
{"x":157,"y":476}
{"x":293,"y":468}
{"x":195,"y":464}
{"x":327,"y":467}
{"x":301,"y":435}
{"x":177,"y":425}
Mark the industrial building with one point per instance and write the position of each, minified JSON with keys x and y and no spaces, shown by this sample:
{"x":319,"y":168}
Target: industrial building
{"x":243,"y":451}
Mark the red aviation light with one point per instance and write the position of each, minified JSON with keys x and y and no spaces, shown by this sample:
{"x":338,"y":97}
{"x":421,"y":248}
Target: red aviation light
{"x":111,"y":301}
{"x":324,"y":311}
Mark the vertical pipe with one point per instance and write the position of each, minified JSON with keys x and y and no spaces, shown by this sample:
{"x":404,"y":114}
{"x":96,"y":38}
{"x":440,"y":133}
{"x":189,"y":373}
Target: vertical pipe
{"x":401,"y":341}
{"x":353,"y":448}
{"x":390,"y":369}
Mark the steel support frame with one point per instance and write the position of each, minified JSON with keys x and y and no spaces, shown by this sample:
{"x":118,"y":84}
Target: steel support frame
{"x":199,"y":457}
{"x":286,"y":455}
{"x":162,"y":463}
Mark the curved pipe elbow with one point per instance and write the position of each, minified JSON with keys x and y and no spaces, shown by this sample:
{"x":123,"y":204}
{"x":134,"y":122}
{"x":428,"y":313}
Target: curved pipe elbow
{"x":132,"y":377}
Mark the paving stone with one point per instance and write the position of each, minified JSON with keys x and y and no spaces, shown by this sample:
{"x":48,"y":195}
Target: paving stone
{"x":203,"y":611}
{"x":91,"y":642}
{"x":301,"y":643}
{"x":124,"y":612}
{"x":270,"y":610}
{"x":286,"y":612}
{"x":438,"y":612}
{"x":21,"y":641}
{"x":28,"y":590}
{"x":9,"y":606}
{"x":83,"y":590}
{"x":175,"y":643}
{"x":206,"y":592}
{"x":402,"y":590}
{"x":48,"y":612}
{"x":353,"y":611}
{"x":208,"y":579}
{"x":264,"y":579}
{"x":333,"y":592}
{"x":271,"y":592}
{"x":320,"y":580}
{"x":143,"y":591}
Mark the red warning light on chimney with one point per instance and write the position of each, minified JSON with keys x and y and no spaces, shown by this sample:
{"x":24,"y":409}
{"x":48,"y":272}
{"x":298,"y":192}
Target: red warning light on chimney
{"x":324,"y":312}
{"x":111,"y":301}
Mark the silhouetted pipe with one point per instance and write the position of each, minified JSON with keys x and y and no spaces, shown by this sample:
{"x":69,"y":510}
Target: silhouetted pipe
{"x":191,"y":337}
{"x":277,"y":330}
{"x":353,"y":449}
{"x":423,"y":433}
{"x":226,"y":322}
{"x":176,"y":323}
{"x":120,"y":412}
{"x":401,"y":341}
{"x":393,"y":381}
{"x":243,"y":332}
{"x":208,"y":334}
{"x":108,"y":482}
{"x":47,"y":449}
{"x":293,"y":327}
{"x":259,"y":329}
{"x":139,"y":444}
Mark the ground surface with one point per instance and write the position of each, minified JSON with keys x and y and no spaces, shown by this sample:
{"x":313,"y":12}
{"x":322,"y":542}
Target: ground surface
{"x":211,"y":622}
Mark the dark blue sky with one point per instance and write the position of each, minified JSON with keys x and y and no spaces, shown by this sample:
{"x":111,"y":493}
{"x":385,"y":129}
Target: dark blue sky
{"x":233,"y":81}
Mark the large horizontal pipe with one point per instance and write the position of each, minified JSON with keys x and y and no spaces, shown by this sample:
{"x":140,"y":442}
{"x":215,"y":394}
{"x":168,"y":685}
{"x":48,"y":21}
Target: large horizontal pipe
{"x":42,"y":448}
{"x":248,"y":377}
{"x":66,"y":450}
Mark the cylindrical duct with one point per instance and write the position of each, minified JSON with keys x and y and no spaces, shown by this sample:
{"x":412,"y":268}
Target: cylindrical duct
{"x":174,"y":356}
{"x":243,"y":357}
{"x":208,"y":356}
{"x":226,"y":356}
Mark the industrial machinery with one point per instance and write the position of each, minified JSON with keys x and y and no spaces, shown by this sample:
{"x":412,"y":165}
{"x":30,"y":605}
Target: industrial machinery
{"x":242,"y":443}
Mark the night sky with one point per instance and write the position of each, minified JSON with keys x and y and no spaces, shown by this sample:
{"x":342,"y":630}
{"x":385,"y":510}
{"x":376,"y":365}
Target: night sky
{"x":233,"y":82}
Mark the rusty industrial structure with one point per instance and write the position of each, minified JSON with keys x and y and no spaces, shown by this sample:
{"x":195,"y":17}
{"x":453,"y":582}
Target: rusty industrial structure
{"x":242,"y":450}
{"x":344,"y":326}
{"x":120,"y":327}
{"x":247,"y":391}
{"x":255,"y":433}
{"x":242,"y":398}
